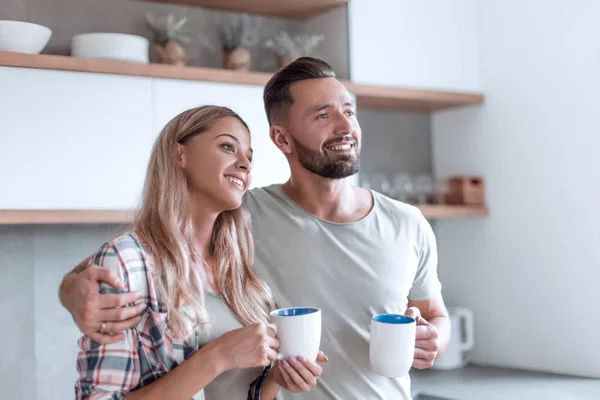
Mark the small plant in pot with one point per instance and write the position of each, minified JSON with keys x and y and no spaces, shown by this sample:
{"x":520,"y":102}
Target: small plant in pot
{"x":238,"y":35}
{"x":287,"y":48}
{"x":168,"y":39}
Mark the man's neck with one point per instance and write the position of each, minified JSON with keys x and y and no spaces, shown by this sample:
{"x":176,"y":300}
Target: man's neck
{"x":333,"y":200}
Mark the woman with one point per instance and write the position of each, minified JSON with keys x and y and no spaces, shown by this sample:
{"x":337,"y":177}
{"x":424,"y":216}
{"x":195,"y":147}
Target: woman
{"x":190,"y":255}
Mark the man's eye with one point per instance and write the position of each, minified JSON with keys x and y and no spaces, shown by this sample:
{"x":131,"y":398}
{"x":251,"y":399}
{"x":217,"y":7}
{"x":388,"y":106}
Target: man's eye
{"x":321,"y":116}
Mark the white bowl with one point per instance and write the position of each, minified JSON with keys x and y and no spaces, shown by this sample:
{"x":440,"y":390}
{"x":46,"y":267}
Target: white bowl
{"x":23,"y":37}
{"x":113,"y":46}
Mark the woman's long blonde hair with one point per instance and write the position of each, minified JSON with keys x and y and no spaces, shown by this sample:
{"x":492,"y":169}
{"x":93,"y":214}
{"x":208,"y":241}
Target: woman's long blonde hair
{"x":165,"y":228}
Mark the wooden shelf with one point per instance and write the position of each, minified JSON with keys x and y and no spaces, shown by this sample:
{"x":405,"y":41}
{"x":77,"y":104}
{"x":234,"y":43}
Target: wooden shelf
{"x":35,"y":217}
{"x":294,"y":9}
{"x":367,"y":96}
{"x":38,"y":217}
{"x":96,"y":65}
{"x":411,"y":99}
{"x":447,"y":211}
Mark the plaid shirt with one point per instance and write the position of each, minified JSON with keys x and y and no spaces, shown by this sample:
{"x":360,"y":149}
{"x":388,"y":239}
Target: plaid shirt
{"x":149,"y":350}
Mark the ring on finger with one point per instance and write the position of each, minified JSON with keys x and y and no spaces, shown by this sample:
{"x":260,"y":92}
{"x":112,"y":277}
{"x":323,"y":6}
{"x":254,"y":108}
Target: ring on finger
{"x":102,"y":327}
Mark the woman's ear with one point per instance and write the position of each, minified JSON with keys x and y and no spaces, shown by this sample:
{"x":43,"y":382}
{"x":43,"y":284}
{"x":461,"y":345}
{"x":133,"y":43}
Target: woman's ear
{"x":279,"y":136}
{"x":180,"y":155}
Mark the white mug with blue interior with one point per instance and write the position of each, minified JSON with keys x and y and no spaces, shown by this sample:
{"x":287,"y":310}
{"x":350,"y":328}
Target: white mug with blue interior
{"x":392,"y":345}
{"x":298,"y":330}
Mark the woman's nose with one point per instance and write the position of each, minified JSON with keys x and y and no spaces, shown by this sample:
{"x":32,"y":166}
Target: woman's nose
{"x":244,"y":164}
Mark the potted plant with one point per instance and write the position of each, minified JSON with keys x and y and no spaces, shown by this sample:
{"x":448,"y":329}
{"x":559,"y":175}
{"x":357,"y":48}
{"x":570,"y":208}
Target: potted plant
{"x":168,"y":39}
{"x":288,"y":48}
{"x":237,"y":36}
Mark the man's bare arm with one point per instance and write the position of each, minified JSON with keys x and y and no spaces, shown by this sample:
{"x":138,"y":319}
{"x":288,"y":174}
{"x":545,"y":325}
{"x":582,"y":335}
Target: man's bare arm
{"x":68,"y":279}
{"x":433,"y":329}
{"x":80,"y":294}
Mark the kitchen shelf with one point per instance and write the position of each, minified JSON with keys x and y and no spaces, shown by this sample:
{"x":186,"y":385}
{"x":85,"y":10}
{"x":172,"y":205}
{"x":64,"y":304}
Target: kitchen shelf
{"x":367,"y":96}
{"x":96,"y":65}
{"x":294,"y":9}
{"x":447,"y":211}
{"x":396,"y":98}
{"x":36,"y":217}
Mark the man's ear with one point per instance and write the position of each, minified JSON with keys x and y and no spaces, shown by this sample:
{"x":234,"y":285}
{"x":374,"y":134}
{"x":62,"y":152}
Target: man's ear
{"x":281,"y":138}
{"x":180,"y":155}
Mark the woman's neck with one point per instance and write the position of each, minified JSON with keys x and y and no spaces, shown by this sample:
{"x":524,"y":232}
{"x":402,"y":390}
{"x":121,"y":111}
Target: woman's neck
{"x":203,"y":220}
{"x":203,"y":216}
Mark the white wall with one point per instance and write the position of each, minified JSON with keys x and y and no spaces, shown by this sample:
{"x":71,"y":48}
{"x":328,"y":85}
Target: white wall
{"x":420,"y":44}
{"x":531,"y":271}
{"x":17,"y":355}
{"x":39,"y":353}
{"x":333,"y":25}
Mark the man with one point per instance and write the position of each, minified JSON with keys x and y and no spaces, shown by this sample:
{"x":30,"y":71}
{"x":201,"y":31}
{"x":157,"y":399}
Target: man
{"x":320,"y":241}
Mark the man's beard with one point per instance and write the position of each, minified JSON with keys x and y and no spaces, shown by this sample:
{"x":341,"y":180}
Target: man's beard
{"x":321,"y":164}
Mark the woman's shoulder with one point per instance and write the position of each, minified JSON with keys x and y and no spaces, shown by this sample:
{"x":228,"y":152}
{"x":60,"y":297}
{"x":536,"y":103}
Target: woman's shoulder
{"x":125,"y":242}
{"x":126,"y":257}
{"x":125,"y":250}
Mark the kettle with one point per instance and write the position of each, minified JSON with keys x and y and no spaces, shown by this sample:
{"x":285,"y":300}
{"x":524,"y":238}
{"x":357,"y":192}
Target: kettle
{"x":461,"y":341}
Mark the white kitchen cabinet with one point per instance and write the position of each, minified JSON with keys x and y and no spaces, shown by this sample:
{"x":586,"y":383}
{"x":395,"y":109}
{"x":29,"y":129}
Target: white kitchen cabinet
{"x":429,"y":44}
{"x":81,"y":141}
{"x":73,"y":140}
{"x":174,"y":96}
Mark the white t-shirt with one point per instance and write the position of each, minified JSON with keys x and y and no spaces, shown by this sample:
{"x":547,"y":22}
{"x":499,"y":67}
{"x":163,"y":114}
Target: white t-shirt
{"x":351,"y":272}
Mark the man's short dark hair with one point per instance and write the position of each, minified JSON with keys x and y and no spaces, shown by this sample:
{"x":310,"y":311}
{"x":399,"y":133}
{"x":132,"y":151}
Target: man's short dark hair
{"x":277,"y":96}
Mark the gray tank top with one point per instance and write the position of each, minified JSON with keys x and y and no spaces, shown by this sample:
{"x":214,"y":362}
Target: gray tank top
{"x":233,"y":384}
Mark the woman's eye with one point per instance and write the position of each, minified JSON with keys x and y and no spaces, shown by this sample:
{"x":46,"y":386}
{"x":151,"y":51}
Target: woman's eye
{"x":228,"y":147}
{"x":350,"y":112}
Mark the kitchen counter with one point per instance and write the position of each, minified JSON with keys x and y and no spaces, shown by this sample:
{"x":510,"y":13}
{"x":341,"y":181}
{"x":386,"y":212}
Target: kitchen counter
{"x":490,"y":383}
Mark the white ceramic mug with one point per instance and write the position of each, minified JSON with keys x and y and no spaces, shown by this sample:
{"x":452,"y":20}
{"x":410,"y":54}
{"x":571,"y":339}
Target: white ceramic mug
{"x":392,"y":346}
{"x":298,"y":330}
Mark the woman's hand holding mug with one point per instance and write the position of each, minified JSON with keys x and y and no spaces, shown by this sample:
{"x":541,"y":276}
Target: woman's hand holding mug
{"x":297,"y":374}
{"x":299,"y":330}
{"x":251,"y":346}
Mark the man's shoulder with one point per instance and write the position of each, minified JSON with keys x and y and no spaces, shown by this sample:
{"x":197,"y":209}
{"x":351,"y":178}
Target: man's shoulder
{"x":397,"y":207}
{"x":262,"y":197}
{"x":269,"y":190}
{"x":399,"y":212}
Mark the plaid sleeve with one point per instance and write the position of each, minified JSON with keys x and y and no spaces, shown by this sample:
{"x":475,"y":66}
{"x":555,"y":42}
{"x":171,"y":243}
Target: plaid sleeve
{"x":109,"y":371}
{"x":256,"y":385}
